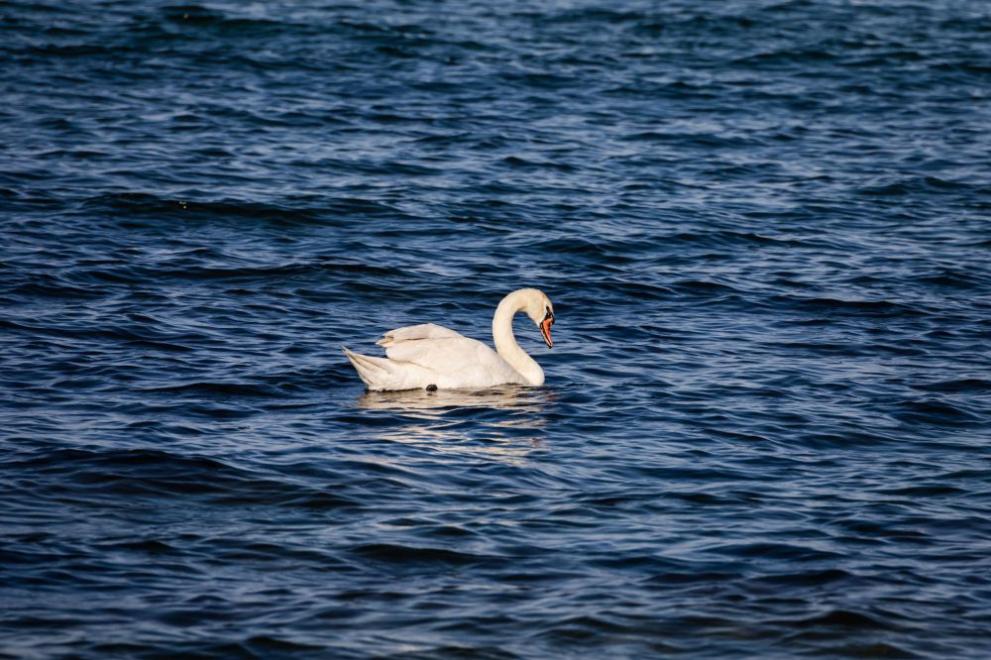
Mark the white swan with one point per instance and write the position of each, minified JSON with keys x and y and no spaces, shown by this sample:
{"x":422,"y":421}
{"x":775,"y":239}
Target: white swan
{"x":432,"y":357}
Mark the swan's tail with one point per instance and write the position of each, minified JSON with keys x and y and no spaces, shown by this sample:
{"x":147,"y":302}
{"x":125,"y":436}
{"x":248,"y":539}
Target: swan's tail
{"x":382,"y":374}
{"x":371,"y":370}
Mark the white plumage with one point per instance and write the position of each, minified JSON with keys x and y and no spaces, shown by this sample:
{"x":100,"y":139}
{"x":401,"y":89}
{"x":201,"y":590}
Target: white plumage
{"x":429,"y":355}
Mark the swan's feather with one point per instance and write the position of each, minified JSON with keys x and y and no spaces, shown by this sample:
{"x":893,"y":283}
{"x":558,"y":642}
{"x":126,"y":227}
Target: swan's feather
{"x":415,"y":332}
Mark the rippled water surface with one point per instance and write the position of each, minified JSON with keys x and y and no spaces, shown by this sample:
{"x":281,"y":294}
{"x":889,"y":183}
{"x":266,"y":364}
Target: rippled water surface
{"x":765,"y":228}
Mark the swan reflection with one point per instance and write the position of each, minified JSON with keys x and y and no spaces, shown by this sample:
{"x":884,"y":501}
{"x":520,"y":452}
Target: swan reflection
{"x":506,"y":421}
{"x":506,"y":397}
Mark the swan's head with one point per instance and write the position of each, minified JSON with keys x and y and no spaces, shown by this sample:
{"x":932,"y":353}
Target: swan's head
{"x":540,"y":310}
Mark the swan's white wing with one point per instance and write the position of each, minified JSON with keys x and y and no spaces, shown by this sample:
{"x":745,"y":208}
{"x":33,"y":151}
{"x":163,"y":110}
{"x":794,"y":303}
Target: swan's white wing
{"x":439,"y":353}
{"x":455,"y":360}
{"x":416,"y":332}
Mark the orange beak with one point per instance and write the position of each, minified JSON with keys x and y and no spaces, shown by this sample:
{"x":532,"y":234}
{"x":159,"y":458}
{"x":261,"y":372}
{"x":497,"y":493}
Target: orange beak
{"x":545,"y":329}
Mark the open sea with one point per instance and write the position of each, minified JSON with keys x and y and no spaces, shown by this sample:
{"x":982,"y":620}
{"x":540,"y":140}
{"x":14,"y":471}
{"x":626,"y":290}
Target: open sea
{"x":765,"y":226}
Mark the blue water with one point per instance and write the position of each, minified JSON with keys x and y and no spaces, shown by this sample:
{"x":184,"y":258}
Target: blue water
{"x":766,"y":229}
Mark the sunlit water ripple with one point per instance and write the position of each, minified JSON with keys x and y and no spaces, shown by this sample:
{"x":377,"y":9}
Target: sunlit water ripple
{"x":765,"y":229}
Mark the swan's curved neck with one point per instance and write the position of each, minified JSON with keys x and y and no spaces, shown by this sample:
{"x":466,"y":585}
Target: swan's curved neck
{"x":505,"y":342}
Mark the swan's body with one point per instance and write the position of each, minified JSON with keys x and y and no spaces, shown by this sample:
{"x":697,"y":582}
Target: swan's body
{"x":430,"y":356}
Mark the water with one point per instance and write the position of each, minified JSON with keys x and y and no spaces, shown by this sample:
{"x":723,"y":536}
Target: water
{"x":765,"y":229}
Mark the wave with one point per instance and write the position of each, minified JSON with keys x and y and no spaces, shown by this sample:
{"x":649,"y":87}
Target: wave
{"x":82,"y":475}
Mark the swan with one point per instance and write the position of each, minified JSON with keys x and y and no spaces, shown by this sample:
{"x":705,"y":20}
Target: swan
{"x":432,"y":357}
